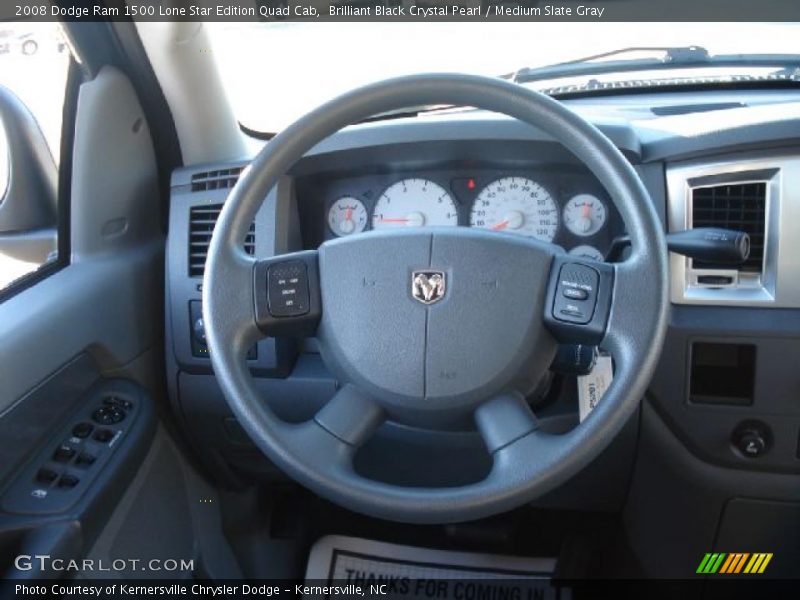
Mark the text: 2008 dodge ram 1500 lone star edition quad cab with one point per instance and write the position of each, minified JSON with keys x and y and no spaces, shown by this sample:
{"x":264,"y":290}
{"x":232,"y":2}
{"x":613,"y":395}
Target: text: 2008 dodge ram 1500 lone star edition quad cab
{"x":277,"y":305}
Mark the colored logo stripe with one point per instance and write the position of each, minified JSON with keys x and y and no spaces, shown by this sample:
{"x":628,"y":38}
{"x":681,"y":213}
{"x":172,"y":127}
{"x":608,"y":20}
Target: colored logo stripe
{"x":758,"y":563}
{"x":733,"y":563}
{"x":711,"y":562}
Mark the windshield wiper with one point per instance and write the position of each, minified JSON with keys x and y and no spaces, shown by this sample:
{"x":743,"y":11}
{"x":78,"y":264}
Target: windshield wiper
{"x":671,"y":57}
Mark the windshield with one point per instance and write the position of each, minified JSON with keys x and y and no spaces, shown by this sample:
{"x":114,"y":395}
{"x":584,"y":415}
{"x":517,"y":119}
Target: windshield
{"x":276,"y":72}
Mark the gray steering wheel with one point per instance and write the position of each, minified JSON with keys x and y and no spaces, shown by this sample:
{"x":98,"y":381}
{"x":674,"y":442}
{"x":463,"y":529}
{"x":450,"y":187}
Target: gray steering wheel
{"x":402,"y":318}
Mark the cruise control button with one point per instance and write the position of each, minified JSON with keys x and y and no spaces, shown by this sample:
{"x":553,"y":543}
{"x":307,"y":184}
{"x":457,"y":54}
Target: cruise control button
{"x":575,"y":293}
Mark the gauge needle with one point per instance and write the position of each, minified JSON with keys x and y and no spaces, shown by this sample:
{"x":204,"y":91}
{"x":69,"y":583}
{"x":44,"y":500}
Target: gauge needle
{"x":500,"y":226}
{"x":348,"y":214}
{"x":585,"y":211}
{"x":387,"y":220}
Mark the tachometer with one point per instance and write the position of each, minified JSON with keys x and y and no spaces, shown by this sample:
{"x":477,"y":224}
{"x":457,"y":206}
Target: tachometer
{"x":414,"y":203}
{"x":517,"y":205}
{"x":584,"y":215}
{"x":347,"y":215}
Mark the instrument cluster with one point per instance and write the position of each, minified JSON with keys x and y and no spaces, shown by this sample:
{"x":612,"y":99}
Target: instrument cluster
{"x":562,"y":206}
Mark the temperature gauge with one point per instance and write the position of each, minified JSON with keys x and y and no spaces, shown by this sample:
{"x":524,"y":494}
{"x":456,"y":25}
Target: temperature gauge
{"x":347,"y":215}
{"x":584,"y":215}
{"x":587,"y":251}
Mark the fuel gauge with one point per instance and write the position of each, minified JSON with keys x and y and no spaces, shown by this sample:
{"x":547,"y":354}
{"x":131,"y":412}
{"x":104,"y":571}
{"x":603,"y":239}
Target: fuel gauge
{"x":584,"y":215}
{"x":347,"y":215}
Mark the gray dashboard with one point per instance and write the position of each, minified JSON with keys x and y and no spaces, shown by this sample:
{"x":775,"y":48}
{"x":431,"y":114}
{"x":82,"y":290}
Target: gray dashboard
{"x":450,"y":149}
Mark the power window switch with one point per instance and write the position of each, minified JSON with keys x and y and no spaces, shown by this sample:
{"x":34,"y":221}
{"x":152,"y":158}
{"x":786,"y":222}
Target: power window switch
{"x":82,"y":430}
{"x":64,"y":453}
{"x":45,"y":475}
{"x":85,"y":460}
{"x":68,"y":481}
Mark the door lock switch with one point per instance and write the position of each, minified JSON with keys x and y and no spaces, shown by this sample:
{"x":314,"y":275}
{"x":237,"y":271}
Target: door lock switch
{"x":103,"y":436}
{"x":82,"y":430}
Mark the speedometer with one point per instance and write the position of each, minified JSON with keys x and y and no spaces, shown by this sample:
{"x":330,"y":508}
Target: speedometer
{"x":414,"y":203}
{"x":517,"y":205}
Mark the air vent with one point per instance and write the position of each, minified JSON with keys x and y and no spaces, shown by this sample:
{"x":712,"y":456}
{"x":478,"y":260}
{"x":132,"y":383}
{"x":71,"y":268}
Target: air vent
{"x":220,"y":179}
{"x":739,"y":206}
{"x":201,"y":225}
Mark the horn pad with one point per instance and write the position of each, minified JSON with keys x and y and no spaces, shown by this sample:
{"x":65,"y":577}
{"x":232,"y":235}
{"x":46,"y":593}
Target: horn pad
{"x":437,"y":319}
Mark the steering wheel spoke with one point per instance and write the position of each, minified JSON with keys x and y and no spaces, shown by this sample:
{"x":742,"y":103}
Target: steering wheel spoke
{"x":286,"y":293}
{"x":578,"y":300}
{"x":623,"y":338}
{"x":504,"y":420}
{"x":235,"y":326}
{"x":350,"y":416}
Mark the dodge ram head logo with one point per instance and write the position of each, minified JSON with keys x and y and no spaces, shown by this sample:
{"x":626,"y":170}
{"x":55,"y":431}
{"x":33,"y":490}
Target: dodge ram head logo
{"x":428,"y":286}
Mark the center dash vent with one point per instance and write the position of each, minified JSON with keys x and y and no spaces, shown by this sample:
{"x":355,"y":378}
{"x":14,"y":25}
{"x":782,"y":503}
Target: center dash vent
{"x":201,"y":225}
{"x":220,"y":179}
{"x":739,"y":206}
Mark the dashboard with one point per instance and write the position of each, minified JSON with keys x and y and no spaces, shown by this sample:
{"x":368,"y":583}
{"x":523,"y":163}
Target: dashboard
{"x":727,"y":370}
{"x":558,"y":204}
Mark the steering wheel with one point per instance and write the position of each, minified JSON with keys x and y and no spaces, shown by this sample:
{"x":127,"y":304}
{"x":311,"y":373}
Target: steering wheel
{"x":426,"y":326}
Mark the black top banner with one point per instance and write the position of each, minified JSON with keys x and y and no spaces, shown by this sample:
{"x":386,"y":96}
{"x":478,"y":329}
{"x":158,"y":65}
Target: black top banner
{"x":402,"y":10}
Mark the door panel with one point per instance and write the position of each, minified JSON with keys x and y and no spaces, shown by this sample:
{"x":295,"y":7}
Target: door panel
{"x":66,"y":336}
{"x":108,"y":301}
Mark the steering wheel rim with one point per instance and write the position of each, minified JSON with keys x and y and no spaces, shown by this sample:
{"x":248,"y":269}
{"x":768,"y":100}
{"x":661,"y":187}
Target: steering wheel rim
{"x":526,"y":463}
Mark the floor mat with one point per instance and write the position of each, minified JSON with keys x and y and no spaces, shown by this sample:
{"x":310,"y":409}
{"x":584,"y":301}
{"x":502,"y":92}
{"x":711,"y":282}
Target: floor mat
{"x":359,"y":567}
